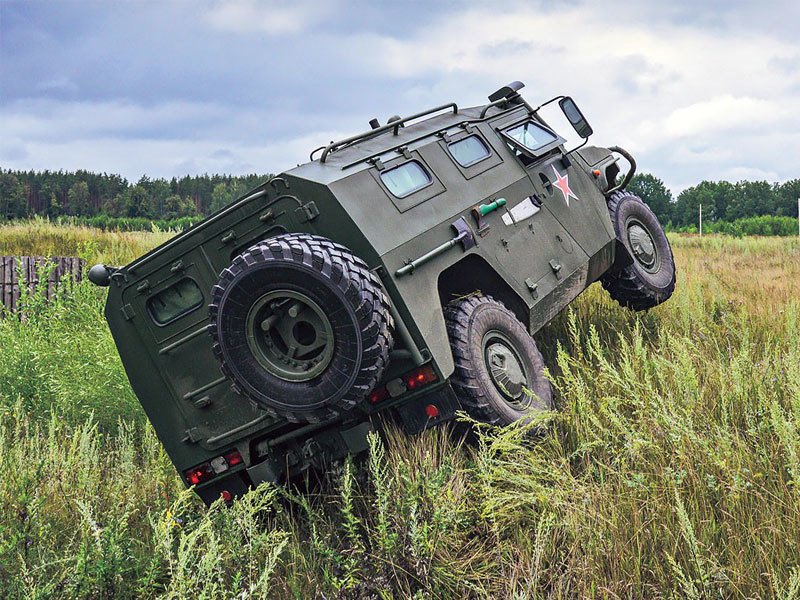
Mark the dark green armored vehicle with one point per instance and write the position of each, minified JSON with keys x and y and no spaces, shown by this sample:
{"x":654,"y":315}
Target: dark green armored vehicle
{"x":399,"y":274}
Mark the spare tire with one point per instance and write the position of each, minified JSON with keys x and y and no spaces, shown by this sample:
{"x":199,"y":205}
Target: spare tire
{"x":301,"y":327}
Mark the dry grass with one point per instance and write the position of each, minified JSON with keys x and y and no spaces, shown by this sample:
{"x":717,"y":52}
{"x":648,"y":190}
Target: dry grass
{"x":39,"y":237}
{"x":761,"y":273}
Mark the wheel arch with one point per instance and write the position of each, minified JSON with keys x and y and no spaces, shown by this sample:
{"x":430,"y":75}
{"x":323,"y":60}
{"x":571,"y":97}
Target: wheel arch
{"x":474,"y":273}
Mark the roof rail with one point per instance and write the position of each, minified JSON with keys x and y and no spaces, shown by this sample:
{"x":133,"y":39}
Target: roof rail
{"x":395,"y":125}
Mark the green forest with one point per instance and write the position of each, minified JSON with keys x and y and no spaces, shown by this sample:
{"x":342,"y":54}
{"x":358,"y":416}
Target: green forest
{"x":743,"y":208}
{"x":110,"y":201}
{"x":54,"y":194}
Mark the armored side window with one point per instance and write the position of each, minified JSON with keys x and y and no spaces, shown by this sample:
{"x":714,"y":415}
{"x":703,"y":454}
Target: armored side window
{"x":406,"y":179}
{"x":468,"y":151}
{"x":531,"y":136}
{"x":175,"y":301}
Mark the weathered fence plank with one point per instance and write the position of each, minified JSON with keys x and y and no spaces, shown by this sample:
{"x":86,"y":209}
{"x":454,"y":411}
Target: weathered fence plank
{"x":5,"y":281}
{"x":29,"y":267}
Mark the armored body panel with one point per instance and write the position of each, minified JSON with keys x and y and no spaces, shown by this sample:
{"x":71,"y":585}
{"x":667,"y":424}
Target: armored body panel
{"x":275,"y":334}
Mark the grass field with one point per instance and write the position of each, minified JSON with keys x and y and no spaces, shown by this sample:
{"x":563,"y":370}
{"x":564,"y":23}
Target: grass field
{"x":671,"y":470}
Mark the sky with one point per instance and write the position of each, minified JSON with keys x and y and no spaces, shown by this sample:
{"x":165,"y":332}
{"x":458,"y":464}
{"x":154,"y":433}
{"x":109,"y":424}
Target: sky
{"x":694,"y":89}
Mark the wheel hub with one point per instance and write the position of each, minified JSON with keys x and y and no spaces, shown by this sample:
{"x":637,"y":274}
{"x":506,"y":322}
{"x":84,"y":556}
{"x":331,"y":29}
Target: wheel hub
{"x":505,"y":369}
{"x":641,"y":242}
{"x":290,"y":335}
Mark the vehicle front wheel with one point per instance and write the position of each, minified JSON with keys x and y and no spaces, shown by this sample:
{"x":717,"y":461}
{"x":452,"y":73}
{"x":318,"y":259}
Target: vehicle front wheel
{"x":650,"y":279}
{"x":499,"y":371}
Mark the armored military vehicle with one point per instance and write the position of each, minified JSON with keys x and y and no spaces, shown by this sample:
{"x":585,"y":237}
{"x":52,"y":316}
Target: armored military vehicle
{"x":399,"y":274}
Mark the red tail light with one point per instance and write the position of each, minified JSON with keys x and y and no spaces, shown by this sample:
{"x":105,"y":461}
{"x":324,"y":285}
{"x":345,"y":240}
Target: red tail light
{"x":409,"y":382}
{"x":199,"y":474}
{"x":233,"y":458}
{"x":432,"y":411}
{"x":378,"y":395}
{"x":419,"y":377}
{"x":220,"y":464}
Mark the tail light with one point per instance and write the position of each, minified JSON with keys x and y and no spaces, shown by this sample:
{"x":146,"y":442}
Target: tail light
{"x":379,"y":395}
{"x":411,"y":381}
{"x":200,"y":474}
{"x":432,"y":411}
{"x":233,"y":458}
{"x":206,"y":471}
{"x":419,"y":377}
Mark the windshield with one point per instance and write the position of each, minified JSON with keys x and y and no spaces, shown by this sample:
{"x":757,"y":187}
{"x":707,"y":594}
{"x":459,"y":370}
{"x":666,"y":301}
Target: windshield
{"x":531,"y":136}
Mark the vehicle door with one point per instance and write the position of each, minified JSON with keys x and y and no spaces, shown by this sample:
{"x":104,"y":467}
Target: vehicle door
{"x":566,"y":191}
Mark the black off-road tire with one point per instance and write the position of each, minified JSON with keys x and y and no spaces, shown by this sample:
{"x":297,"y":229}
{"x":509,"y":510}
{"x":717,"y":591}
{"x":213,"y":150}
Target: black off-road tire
{"x":342,"y":286}
{"x":639,"y":286}
{"x":471,"y":323}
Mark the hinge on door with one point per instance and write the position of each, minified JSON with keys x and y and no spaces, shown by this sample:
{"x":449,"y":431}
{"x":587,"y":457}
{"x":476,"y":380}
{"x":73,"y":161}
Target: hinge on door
{"x":192,"y":435}
{"x":532,"y":288}
{"x":309,"y":211}
{"x":127,"y":312}
{"x":203,"y":402}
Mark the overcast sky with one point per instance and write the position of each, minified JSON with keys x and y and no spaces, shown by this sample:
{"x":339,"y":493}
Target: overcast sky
{"x":695,"y":89}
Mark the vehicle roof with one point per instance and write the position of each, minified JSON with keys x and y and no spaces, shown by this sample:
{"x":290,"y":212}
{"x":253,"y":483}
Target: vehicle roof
{"x":348,"y":159}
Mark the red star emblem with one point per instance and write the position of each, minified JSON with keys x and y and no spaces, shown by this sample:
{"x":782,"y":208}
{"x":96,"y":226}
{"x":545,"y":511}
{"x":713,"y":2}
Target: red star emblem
{"x":562,"y":183}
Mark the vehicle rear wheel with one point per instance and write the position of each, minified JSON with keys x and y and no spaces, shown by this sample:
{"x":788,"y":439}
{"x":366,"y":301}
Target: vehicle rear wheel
{"x":650,"y":279}
{"x":301,"y":327}
{"x":499,"y":371}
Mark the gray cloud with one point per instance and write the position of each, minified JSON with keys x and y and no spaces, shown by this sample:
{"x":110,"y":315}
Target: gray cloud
{"x":695,"y":89}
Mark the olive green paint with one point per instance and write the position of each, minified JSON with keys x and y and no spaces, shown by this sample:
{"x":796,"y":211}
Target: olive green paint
{"x":536,"y":266}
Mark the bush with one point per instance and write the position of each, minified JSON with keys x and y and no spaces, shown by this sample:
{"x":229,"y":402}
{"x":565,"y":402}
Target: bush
{"x":58,"y":356}
{"x":766,"y":225}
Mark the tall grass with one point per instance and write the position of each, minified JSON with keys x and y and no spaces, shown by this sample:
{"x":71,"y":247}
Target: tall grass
{"x":672,"y":468}
{"x":40,"y":237}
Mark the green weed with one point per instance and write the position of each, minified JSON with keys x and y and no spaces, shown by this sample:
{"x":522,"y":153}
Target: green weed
{"x":671,"y":469}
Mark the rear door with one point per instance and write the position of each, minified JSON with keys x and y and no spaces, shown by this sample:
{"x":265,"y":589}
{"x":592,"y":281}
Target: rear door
{"x":168,"y":311}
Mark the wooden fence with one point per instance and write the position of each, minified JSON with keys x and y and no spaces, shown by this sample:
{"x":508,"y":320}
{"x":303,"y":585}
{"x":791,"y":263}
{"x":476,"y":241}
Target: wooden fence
{"x":16,"y":270}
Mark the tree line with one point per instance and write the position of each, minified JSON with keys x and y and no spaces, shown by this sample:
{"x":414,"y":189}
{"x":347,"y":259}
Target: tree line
{"x":723,"y":202}
{"x":82,"y":193}
{"x":108,"y":197}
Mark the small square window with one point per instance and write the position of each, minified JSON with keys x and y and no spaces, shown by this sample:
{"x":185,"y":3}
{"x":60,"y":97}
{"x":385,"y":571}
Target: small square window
{"x":175,"y":301}
{"x":406,"y":179}
{"x":468,"y":151}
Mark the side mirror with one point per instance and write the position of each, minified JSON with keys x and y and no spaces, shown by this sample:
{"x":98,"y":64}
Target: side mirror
{"x":575,"y":117}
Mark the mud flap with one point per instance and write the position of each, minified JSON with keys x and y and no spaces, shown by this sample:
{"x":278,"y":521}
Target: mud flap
{"x":622,"y":258}
{"x":234,"y":485}
{"x":355,"y":438}
{"x":429,"y":410}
